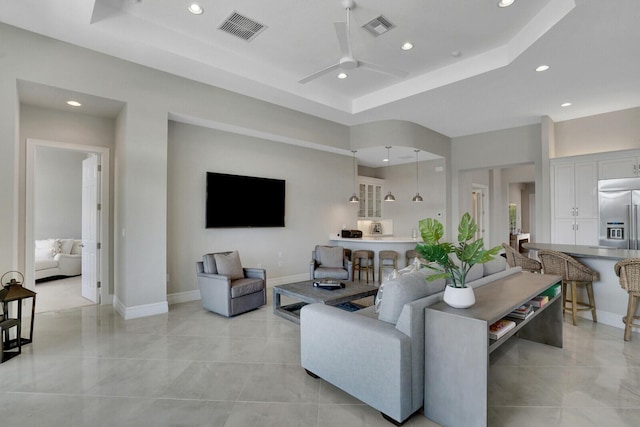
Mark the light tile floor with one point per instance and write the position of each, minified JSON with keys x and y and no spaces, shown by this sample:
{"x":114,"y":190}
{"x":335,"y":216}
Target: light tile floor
{"x":89,"y":367}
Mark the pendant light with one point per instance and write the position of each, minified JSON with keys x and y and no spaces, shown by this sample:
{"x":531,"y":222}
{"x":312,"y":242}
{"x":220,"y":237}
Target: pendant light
{"x":417,"y":197}
{"x":389,"y":197}
{"x":354,"y":198}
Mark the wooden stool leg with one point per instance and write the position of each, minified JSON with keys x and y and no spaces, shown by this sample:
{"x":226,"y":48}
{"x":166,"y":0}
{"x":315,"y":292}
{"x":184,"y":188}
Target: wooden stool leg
{"x":592,"y":301}
{"x":574,"y":302}
{"x":631,"y":311}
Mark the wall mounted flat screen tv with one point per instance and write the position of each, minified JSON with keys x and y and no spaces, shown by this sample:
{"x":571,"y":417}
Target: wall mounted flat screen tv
{"x":244,"y":201}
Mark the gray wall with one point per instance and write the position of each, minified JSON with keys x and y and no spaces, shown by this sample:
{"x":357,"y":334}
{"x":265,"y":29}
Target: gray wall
{"x":57,"y":194}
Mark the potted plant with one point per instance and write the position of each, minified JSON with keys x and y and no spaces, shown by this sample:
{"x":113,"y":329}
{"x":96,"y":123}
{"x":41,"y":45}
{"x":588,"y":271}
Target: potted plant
{"x":469,"y":252}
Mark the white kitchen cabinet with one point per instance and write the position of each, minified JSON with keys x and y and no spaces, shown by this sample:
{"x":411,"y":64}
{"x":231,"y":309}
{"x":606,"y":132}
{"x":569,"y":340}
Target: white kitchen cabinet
{"x":371,"y":195}
{"x":626,"y":167}
{"x":575,"y":207}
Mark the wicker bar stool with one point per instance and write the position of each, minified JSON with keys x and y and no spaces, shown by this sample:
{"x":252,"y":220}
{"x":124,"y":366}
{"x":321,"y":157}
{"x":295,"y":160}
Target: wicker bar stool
{"x":573,"y":273}
{"x":363,"y":260}
{"x":387,"y":259}
{"x":628,"y":270}
{"x":411,"y":255}
{"x":516,"y":259}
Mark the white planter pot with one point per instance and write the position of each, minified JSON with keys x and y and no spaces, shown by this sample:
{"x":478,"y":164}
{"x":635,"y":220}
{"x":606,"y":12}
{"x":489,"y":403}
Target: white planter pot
{"x":459,"y":297}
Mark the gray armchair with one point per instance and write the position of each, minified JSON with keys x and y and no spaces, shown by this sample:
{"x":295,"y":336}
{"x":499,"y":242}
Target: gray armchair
{"x":226,"y":287}
{"x":331,"y":262}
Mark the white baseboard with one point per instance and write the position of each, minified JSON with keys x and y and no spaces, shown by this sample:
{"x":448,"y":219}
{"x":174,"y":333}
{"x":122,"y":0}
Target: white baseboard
{"x":135,"y":312}
{"x":183,"y":297}
{"x":194,"y":295}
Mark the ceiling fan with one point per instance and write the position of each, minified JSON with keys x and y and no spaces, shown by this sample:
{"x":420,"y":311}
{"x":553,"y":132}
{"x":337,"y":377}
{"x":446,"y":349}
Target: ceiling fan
{"x":347,"y":61}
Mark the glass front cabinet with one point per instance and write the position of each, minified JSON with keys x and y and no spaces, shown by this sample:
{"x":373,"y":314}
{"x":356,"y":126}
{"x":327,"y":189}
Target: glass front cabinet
{"x":371,"y":195}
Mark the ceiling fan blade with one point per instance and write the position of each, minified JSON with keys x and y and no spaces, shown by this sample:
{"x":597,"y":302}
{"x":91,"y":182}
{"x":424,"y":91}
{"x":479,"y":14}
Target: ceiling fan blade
{"x":319,"y":73}
{"x":384,"y":70}
{"x":343,"y":38}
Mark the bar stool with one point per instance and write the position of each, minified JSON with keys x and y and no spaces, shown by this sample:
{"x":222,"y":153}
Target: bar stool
{"x":628,"y":270}
{"x":411,"y":255}
{"x":386,"y":259}
{"x":363,"y":260}
{"x":573,"y":273}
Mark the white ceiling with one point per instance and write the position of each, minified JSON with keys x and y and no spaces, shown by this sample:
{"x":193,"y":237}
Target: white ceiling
{"x":591,"y":47}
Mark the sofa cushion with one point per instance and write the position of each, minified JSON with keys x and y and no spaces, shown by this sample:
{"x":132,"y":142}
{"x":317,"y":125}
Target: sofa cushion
{"x":393,"y":275}
{"x":330,"y":256}
{"x":209,"y":264}
{"x":404,"y":289}
{"x":241,"y":287}
{"x":494,"y":266}
{"x":229,"y":265}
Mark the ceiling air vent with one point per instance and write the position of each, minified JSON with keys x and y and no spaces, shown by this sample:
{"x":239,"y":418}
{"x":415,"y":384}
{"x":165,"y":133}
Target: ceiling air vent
{"x":378,"y":26}
{"x":241,"y":26}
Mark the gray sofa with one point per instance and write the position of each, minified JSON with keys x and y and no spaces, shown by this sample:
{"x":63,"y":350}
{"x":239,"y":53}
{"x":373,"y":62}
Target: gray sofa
{"x":377,"y":354}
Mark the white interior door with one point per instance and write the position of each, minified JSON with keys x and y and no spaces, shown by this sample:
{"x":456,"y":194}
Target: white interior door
{"x":90,"y":218}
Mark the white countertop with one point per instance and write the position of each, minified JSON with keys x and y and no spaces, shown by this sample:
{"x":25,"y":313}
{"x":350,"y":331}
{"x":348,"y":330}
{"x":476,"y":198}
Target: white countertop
{"x":375,"y":239}
{"x":586,"y":251}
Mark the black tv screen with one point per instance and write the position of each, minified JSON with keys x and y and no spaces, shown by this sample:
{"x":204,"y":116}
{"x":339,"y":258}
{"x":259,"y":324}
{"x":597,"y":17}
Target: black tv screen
{"x":244,"y":201}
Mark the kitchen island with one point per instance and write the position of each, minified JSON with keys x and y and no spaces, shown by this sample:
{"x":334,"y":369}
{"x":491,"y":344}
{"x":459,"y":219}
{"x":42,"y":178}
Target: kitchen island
{"x":376,"y":244}
{"x":611,"y":299}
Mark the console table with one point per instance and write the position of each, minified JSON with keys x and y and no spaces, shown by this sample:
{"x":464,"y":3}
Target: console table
{"x":457,"y":345}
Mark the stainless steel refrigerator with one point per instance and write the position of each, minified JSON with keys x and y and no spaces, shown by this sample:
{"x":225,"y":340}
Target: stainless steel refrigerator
{"x":619,"y":221}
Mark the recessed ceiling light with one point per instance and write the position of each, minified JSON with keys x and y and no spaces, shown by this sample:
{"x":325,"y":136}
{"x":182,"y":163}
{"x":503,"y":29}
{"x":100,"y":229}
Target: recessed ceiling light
{"x":196,"y":9}
{"x":407,"y":46}
{"x":342,"y":75}
{"x":456,"y":53}
{"x":566,"y":104}
{"x":542,"y":68}
{"x":74,"y":103}
{"x":505,"y":3}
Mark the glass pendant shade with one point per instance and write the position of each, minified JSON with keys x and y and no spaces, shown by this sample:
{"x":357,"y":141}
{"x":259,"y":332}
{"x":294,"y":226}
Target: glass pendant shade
{"x":389,"y":197}
{"x":417,"y":197}
{"x":354,"y":198}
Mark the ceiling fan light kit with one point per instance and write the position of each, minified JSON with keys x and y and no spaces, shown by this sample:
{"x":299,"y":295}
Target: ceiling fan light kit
{"x":347,"y":61}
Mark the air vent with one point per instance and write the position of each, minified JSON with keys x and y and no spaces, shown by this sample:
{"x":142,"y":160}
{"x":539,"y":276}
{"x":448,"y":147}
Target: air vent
{"x":378,"y":26}
{"x":241,"y":26}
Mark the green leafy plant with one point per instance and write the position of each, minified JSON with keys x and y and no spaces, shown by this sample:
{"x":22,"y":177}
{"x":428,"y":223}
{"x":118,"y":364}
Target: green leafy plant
{"x":468,"y":251}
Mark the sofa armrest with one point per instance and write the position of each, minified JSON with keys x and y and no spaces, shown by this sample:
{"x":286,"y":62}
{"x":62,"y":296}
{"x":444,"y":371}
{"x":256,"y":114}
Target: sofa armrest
{"x":367,"y":358}
{"x":69,"y":265}
{"x":255,"y":273}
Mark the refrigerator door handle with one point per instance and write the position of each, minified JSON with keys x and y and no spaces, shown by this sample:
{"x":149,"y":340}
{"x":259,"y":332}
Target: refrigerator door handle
{"x":635,"y":227}
{"x":632,"y":228}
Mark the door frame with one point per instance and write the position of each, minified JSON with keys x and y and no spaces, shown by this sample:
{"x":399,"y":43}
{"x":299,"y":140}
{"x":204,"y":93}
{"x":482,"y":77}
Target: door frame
{"x":103,"y":226}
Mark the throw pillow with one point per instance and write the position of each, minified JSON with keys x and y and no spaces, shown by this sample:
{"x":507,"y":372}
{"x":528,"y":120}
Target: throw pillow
{"x":65,"y":246}
{"x":229,"y":265}
{"x":330,"y":256}
{"x":404,"y":289}
{"x":46,"y":249}
{"x":495,"y":265}
{"x":76,"y":249}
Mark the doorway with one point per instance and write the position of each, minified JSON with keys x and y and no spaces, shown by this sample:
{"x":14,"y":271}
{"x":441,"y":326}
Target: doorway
{"x":93,"y":246}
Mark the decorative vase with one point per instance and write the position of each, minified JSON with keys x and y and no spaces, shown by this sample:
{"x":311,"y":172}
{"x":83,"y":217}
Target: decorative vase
{"x":459,"y":297}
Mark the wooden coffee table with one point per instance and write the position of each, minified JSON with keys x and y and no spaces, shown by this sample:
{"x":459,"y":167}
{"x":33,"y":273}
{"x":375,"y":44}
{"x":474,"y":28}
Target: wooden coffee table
{"x":306,"y":293}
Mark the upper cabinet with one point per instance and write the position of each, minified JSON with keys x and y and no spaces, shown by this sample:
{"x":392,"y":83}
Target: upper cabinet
{"x":626,"y":167}
{"x":575,"y":202}
{"x":370,"y":194}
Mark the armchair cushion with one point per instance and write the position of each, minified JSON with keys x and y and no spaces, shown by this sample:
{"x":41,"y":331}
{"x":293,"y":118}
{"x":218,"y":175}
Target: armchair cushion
{"x":228,"y":264}
{"x":330,"y":256}
{"x":246,"y":286}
